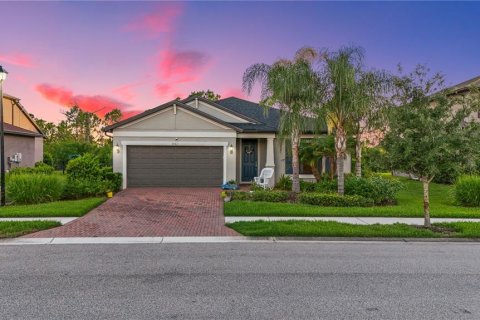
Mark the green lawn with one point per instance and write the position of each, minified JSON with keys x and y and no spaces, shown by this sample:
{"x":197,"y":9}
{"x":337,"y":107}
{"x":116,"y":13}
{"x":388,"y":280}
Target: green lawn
{"x":410,"y":204}
{"x":68,"y":208}
{"x":336,"y":229}
{"x":11,"y":229}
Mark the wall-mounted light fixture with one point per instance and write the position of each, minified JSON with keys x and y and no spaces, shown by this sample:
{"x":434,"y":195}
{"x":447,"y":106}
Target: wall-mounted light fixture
{"x":117,"y":148}
{"x":230,"y":148}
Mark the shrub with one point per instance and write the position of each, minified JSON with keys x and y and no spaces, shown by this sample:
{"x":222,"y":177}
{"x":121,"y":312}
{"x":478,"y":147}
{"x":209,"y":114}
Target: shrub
{"x":84,"y":167}
{"x":241,"y":195}
{"x":34,"y":188}
{"x":380,"y":190}
{"x":326,"y":186}
{"x":284,"y":183}
{"x":261,"y":195}
{"x":81,"y":188}
{"x":112,"y":179}
{"x":47,"y":158}
{"x":334,"y":200}
{"x":307,"y":186}
{"x":270,"y":196}
{"x":40,"y":168}
{"x":467,"y":191}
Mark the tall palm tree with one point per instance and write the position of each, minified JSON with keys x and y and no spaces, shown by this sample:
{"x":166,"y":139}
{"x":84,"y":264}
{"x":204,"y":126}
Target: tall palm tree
{"x":370,"y":106}
{"x":292,"y":87}
{"x":339,"y":77}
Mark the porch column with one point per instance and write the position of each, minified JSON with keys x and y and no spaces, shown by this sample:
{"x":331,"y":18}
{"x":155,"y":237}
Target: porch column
{"x":270,"y":158}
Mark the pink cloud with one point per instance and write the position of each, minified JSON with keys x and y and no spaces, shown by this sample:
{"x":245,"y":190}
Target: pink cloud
{"x":98,"y":104}
{"x":233,"y":92}
{"x":184,"y":66}
{"x":163,"y":89}
{"x":125,"y":92}
{"x":177,"y":67}
{"x":160,"y":21}
{"x":17,"y":59}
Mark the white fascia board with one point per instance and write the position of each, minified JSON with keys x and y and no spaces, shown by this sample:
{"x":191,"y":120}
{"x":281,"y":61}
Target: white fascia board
{"x":175,"y":143}
{"x":256,"y":135}
{"x":142,"y":119}
{"x":175,"y":134}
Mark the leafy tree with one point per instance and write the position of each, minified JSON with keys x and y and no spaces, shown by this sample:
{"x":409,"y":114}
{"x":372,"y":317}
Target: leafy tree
{"x":426,"y":131}
{"x":292,"y":87}
{"x":112,"y":117}
{"x":209,"y":94}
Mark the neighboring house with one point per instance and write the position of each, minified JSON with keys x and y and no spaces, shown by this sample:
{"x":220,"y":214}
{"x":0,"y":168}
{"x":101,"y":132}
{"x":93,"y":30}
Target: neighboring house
{"x":465,"y":88}
{"x":23,"y":138}
{"x":198,"y":142}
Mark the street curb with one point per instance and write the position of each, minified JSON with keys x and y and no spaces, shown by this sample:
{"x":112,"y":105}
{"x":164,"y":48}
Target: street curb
{"x":206,"y":240}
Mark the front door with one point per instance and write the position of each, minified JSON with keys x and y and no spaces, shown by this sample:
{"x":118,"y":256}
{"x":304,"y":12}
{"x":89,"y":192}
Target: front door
{"x":249,"y":160}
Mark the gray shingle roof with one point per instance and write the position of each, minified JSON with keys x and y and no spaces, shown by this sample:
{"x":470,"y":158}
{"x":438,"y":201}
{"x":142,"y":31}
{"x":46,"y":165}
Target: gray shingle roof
{"x":268,"y":121}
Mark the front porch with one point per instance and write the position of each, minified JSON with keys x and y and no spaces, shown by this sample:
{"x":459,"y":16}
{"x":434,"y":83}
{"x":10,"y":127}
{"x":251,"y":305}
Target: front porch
{"x":254,"y":153}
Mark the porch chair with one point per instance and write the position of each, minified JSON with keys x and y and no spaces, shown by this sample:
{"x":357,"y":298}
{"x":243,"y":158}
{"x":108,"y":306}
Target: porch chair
{"x":266,"y":179}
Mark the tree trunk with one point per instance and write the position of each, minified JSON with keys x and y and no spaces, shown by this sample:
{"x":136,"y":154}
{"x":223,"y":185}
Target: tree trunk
{"x":341,"y":149}
{"x":295,"y":161}
{"x":426,"y":202}
{"x":315,"y":172}
{"x":333,"y":167}
{"x":358,"y":157}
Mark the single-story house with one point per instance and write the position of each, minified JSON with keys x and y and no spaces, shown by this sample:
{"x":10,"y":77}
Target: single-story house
{"x":199,"y":142}
{"x":23,"y":137}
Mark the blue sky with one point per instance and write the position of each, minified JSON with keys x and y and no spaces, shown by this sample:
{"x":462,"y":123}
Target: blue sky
{"x":136,"y":55}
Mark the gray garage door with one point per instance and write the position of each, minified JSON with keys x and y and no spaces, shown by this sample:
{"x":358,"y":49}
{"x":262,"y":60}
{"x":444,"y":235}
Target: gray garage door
{"x":154,"y":166}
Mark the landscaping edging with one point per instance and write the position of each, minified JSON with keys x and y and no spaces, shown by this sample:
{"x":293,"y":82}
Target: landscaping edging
{"x":350,"y":220}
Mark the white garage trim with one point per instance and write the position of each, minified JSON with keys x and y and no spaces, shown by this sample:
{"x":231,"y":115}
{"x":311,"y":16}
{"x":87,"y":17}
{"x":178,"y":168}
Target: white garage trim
{"x":172,"y":143}
{"x":176,"y":134}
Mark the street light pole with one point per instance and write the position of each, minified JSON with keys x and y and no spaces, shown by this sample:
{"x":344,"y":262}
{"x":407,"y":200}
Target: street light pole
{"x":3,"y":76}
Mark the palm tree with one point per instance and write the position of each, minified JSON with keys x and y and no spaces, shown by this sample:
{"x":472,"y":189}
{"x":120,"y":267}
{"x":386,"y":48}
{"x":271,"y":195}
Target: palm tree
{"x":312,"y":151}
{"x":369,"y":108}
{"x":339,"y":78}
{"x":292,"y":87}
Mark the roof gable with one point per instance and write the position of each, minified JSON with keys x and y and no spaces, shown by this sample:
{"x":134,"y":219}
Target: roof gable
{"x":172,"y":116}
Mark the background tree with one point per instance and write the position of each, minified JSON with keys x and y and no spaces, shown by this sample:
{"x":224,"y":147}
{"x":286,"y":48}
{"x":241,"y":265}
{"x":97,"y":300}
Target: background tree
{"x":292,"y":87}
{"x":425,"y":131}
{"x":209,"y":94}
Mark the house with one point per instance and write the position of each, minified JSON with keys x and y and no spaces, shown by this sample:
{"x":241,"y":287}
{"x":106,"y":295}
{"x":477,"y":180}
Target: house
{"x":199,"y":142}
{"x":23,"y":138}
{"x":465,"y":88}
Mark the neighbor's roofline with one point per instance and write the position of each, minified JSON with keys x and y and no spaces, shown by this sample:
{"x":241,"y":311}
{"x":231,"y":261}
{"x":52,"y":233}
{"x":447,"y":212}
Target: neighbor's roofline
{"x":165,"y":106}
{"x":22,"y":108}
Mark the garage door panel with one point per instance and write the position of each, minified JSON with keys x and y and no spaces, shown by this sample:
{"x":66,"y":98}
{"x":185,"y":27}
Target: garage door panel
{"x":165,"y":166}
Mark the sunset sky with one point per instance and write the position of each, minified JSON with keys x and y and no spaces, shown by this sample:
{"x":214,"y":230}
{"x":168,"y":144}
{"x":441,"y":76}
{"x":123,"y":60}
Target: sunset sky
{"x":135,"y":56}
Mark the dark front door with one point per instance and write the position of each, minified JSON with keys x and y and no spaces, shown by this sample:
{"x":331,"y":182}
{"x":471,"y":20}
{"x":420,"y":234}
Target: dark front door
{"x":249,"y":160}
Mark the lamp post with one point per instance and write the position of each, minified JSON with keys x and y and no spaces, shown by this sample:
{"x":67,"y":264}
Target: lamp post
{"x":3,"y":76}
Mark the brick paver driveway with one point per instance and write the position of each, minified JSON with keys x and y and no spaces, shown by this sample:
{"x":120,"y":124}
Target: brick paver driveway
{"x":151,"y":212}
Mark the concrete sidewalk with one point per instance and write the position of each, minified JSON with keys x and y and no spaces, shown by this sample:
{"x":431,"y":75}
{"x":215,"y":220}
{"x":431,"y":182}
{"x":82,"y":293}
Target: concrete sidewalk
{"x":62,"y":220}
{"x":352,"y":220}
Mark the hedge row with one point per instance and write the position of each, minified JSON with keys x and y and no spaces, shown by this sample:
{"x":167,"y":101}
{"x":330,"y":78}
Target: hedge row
{"x":261,"y":195}
{"x":334,"y":200}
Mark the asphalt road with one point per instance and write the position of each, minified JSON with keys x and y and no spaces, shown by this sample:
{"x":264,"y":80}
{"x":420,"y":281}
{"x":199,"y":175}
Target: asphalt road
{"x":241,"y":281}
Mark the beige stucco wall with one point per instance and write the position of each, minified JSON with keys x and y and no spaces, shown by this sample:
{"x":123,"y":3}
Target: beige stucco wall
{"x":20,"y":144}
